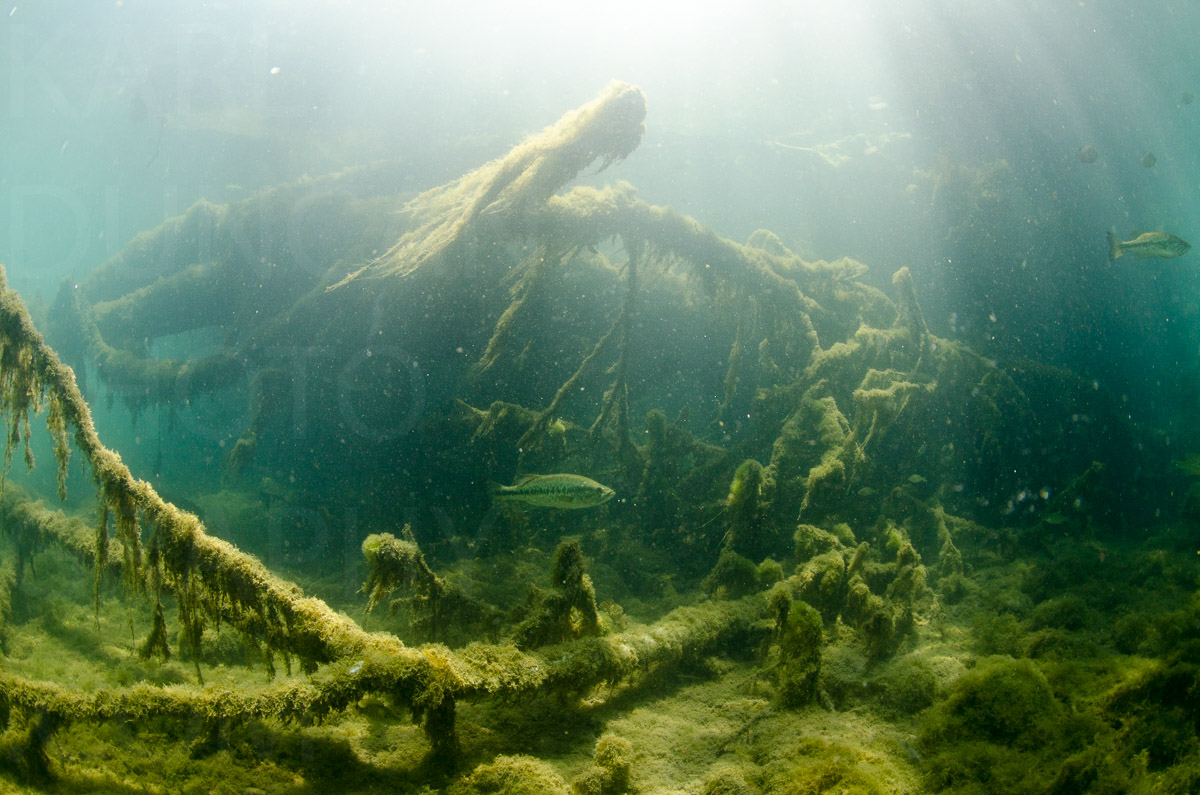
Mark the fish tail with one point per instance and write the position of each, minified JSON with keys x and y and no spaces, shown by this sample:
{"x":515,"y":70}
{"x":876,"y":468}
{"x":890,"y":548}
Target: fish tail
{"x":1114,"y":247}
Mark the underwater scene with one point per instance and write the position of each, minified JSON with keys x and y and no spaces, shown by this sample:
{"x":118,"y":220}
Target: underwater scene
{"x":523,"y":397}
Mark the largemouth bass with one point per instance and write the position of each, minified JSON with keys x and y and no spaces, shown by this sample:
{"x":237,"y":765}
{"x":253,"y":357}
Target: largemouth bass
{"x":556,"y":491}
{"x":1150,"y":244}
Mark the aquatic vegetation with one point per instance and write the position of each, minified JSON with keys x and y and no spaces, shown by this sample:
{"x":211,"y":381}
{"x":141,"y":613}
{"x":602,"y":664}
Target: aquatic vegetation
{"x":901,"y":465}
{"x":567,"y":610}
{"x":822,"y":582}
{"x":799,"y":633}
{"x":8,"y":580}
{"x":1004,"y":700}
{"x":749,"y":533}
{"x":433,"y":605}
{"x":734,"y":575}
{"x":727,"y":780}
{"x":610,"y":773}
{"x":519,"y":775}
{"x":998,"y":723}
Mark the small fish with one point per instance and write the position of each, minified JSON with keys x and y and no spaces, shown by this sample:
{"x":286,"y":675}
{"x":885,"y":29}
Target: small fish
{"x":1087,"y":154}
{"x":1055,"y":518}
{"x":1149,"y":244}
{"x":1148,"y":160}
{"x":356,"y":667}
{"x":915,"y":479}
{"x":556,"y":491}
{"x":1187,"y":99}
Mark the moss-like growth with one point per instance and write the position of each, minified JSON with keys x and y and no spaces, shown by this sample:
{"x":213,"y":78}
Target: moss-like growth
{"x":434,"y":605}
{"x":656,"y":493}
{"x":881,"y":377}
{"x":8,"y":580}
{"x":727,"y":780}
{"x":812,"y":541}
{"x":799,"y":655}
{"x":1130,"y":631}
{"x":879,"y":631}
{"x":23,"y":747}
{"x":860,"y":603}
{"x":269,"y":390}
{"x":816,"y":764}
{"x":798,"y":635}
{"x":567,"y":610}
{"x":844,"y":534}
{"x":1065,"y":612}
{"x":823,"y":583}
{"x":997,"y":633}
{"x":610,"y":773}
{"x":750,"y":533}
{"x":1001,"y":700}
{"x":769,"y":573}
{"x":893,"y":538}
{"x":779,"y":604}
{"x":954,"y":588}
{"x":512,"y":775}
{"x":814,"y":457}
{"x":910,"y":685}
{"x":1095,"y":772}
{"x":908,"y":588}
{"x":1001,"y":729}
{"x":1159,"y":710}
{"x":734,"y":576}
{"x":858,"y":563}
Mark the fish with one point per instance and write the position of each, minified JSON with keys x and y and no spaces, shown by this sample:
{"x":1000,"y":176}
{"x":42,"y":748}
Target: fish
{"x":1087,"y":154}
{"x":1149,"y":244}
{"x":1148,"y":160}
{"x":556,"y":491}
{"x":1187,"y":99}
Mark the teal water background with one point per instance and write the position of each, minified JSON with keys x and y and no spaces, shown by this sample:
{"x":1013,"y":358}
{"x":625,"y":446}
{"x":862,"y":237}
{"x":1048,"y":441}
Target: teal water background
{"x":116,"y":116}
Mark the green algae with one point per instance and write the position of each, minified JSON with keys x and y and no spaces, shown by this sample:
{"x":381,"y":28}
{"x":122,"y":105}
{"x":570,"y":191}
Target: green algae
{"x":567,"y":610}
{"x":518,"y":775}
{"x":734,"y":575}
{"x":611,"y":770}
{"x":799,"y":634}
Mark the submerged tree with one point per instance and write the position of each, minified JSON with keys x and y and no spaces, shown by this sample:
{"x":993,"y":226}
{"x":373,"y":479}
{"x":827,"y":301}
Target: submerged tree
{"x":333,"y":303}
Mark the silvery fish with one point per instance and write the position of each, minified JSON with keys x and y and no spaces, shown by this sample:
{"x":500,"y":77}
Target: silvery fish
{"x":1150,"y":244}
{"x":556,"y":491}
